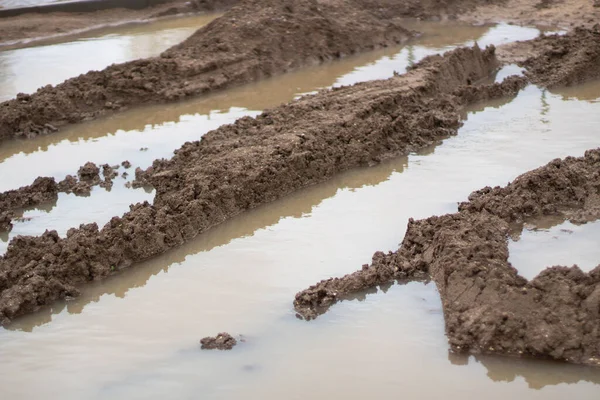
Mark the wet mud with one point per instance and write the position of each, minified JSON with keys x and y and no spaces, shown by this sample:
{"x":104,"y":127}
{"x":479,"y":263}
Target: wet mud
{"x":253,"y":40}
{"x":209,"y":181}
{"x":223,"y":341}
{"x":22,"y":30}
{"x":488,"y":306}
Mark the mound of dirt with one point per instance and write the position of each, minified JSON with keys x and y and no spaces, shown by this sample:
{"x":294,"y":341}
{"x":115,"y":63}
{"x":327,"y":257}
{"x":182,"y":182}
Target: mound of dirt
{"x":299,"y":144}
{"x":488,"y":307}
{"x":253,"y":40}
{"x":223,"y":341}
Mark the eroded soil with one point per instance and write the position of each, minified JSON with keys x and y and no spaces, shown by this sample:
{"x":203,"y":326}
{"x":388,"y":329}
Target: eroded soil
{"x":206,"y":182}
{"x":488,"y":307}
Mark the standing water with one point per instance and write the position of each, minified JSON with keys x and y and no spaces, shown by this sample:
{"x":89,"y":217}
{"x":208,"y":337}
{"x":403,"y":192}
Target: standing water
{"x":135,"y":335}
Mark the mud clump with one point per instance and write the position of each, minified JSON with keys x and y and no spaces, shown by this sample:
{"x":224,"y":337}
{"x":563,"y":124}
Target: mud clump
{"x":488,"y":307}
{"x":299,"y":144}
{"x":13,"y":202}
{"x":253,"y":40}
{"x":223,"y":341}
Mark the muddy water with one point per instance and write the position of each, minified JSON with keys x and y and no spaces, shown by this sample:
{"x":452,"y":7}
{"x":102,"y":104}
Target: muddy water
{"x":136,"y":335}
{"x":555,"y":243}
{"x":27,"y":69}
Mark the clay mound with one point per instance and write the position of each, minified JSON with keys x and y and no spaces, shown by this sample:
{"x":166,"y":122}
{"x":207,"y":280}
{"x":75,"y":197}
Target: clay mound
{"x":253,"y":40}
{"x":488,"y":307}
{"x":209,"y":181}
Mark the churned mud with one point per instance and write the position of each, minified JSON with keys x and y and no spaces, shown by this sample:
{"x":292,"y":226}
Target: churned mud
{"x":24,"y":29}
{"x":254,"y":39}
{"x":223,"y":341}
{"x":488,"y":306}
{"x":207,"y":182}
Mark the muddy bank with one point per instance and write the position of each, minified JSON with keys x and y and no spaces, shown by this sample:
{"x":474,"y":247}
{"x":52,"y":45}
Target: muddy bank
{"x":21,"y":30}
{"x":207,"y":182}
{"x":488,"y":307}
{"x":253,"y":40}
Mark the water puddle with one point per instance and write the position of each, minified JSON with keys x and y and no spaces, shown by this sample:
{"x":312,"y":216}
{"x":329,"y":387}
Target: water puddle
{"x":27,"y":69}
{"x":28,"y":3}
{"x":555,"y":243}
{"x":136,"y":335}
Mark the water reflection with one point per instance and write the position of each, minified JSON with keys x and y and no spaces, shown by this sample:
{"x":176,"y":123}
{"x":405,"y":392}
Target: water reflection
{"x":537,"y":373}
{"x":27,"y":69}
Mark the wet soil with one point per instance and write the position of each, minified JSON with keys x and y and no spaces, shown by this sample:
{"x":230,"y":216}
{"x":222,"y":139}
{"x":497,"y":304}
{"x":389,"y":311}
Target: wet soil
{"x":488,"y":307}
{"x":223,"y":341}
{"x":253,"y":40}
{"x":24,"y":29}
{"x":555,"y":13}
{"x":207,"y":182}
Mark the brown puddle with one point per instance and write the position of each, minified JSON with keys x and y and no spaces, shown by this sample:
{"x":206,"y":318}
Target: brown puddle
{"x":136,"y":334}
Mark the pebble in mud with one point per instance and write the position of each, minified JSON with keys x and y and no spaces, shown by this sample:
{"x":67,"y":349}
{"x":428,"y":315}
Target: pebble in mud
{"x":223,"y":341}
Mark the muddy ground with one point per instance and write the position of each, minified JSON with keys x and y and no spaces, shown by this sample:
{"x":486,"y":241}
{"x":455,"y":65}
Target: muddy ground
{"x":309,"y":140}
{"x":253,"y":40}
{"x":488,"y":307}
{"x":207,"y":182}
{"x":27,"y":28}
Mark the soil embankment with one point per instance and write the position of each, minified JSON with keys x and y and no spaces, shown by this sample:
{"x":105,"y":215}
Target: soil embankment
{"x":207,"y":182}
{"x":488,"y":307}
{"x":20,"y":30}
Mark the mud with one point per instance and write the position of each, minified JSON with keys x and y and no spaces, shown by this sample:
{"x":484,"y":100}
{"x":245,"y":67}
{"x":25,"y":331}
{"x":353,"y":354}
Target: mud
{"x":488,"y":307}
{"x":558,"y":60}
{"x":207,"y":182}
{"x":223,"y":341}
{"x":551,"y":13}
{"x":42,"y":190}
{"x":30,"y":28}
{"x":253,"y":40}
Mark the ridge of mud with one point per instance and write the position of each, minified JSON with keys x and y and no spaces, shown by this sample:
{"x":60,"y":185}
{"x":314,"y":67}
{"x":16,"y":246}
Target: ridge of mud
{"x":206,"y":182}
{"x":563,"y":60}
{"x":488,"y":307}
{"x":22,"y":30}
{"x":253,"y":40}
{"x":46,"y":190}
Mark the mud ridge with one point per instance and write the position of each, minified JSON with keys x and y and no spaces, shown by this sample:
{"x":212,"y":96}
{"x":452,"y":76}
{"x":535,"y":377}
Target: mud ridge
{"x":24,"y":29}
{"x":253,"y":40}
{"x":301,"y":143}
{"x":488,"y":307}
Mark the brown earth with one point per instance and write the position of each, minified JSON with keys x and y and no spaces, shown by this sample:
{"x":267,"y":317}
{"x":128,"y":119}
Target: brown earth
{"x":253,"y":40}
{"x":206,"y":182}
{"x":550,"y":13}
{"x":24,"y":29}
{"x":223,"y":341}
{"x":488,"y":307}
